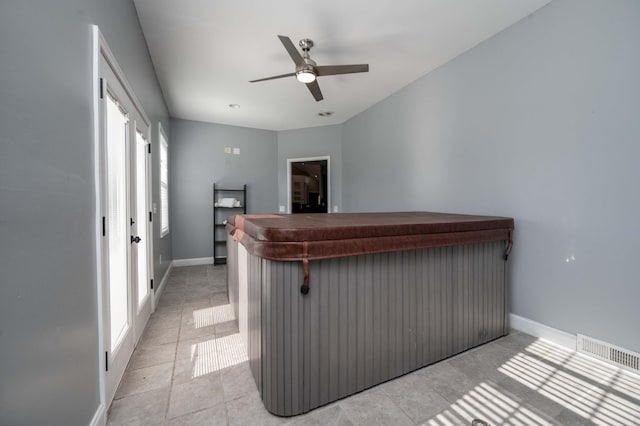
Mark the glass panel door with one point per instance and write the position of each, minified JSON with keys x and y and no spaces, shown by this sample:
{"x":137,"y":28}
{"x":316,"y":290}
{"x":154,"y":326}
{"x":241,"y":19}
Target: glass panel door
{"x":117,"y":226}
{"x":126,"y":236}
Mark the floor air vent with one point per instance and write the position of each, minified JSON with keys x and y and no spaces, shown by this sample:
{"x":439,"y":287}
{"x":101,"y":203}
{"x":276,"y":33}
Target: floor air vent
{"x":612,"y":354}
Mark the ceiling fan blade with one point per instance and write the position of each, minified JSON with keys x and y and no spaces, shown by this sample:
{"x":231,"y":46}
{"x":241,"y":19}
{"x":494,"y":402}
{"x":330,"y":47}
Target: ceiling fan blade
{"x":315,"y":90}
{"x":341,"y":69}
{"x":291,"y":74}
{"x":293,"y":52}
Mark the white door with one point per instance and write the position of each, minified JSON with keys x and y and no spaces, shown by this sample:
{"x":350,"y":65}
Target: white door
{"x":126,"y":234}
{"x":141,"y":229}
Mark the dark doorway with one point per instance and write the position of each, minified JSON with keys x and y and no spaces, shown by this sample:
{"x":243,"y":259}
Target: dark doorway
{"x":309,"y":186}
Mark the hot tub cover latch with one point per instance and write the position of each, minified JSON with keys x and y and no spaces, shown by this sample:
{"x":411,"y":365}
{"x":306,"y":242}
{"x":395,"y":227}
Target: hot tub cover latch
{"x":508,"y":247}
{"x":304,"y":288}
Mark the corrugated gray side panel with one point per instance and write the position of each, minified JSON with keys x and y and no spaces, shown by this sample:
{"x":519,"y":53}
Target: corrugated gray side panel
{"x":232,"y":274}
{"x":255,"y":323}
{"x":342,"y":346}
{"x":284,"y":338}
{"x":297,"y":318}
{"x":368,"y":319}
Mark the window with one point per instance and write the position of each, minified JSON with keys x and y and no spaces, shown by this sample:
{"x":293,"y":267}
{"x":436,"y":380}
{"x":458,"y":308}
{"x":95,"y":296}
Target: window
{"x":164,"y":184}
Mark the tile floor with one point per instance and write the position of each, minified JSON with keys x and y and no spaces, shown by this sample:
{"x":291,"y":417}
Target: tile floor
{"x":190,"y":369}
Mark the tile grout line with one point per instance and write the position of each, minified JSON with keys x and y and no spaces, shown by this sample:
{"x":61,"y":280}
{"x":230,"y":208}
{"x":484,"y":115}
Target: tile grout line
{"x":224,"y":394}
{"x":175,"y":356}
{"x":218,"y":358}
{"x":386,"y":394}
{"x":222,"y":380}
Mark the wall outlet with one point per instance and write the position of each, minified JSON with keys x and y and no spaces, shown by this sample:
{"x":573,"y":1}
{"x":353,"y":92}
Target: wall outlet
{"x":282,"y":209}
{"x":160,"y":261}
{"x":236,"y":151}
{"x":227,"y":150}
{"x":335,"y":209}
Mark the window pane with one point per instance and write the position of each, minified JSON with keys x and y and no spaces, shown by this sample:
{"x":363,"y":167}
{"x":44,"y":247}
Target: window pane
{"x":164,"y":200}
{"x":117,"y":219}
{"x":141,"y":216}
{"x":164,"y":185}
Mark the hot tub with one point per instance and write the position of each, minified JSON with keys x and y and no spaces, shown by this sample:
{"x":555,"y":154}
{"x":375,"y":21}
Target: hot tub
{"x":331,"y":304}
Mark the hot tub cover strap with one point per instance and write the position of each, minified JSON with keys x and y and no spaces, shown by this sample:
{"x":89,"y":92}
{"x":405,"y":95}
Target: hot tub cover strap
{"x":305,"y":262}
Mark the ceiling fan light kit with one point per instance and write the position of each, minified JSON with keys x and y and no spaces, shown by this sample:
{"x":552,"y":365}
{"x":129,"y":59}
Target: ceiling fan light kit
{"x":307,"y":70}
{"x":306,"y":75}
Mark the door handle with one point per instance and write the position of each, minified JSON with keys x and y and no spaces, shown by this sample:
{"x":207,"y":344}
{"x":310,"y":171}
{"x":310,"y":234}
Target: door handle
{"x":135,"y":239}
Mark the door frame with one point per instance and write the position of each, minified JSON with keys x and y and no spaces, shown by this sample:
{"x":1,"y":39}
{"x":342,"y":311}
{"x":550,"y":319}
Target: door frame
{"x":300,"y":160}
{"x":100,"y":49}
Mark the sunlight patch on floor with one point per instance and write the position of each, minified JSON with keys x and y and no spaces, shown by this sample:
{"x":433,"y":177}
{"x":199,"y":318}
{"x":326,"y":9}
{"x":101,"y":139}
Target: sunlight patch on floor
{"x":204,"y":358}
{"x":486,"y":402}
{"x":216,"y":354}
{"x":213,"y":315}
{"x":594,"y":369}
{"x":577,"y":383}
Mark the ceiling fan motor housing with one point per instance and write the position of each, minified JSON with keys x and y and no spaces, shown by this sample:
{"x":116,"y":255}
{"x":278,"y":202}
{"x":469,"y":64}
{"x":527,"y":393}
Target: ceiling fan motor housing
{"x":305,"y":44}
{"x":309,"y":67}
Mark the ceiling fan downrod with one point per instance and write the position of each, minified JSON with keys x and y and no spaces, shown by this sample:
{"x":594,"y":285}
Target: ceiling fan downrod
{"x":305,"y":44}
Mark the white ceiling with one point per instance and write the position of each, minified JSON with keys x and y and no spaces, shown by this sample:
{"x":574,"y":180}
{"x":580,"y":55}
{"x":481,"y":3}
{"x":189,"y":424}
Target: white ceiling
{"x":206,"y":51}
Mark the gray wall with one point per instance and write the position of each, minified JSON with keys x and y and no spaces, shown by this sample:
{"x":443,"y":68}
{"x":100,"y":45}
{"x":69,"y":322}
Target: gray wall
{"x":541,"y":123}
{"x":197,"y":159}
{"x":311,"y":142}
{"x":48,"y":305}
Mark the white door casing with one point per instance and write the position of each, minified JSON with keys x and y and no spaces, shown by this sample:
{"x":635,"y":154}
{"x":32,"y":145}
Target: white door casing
{"x":125,"y":299}
{"x":289,"y":178}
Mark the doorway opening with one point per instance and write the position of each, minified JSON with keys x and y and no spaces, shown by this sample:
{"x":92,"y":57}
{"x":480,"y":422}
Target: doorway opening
{"x":308,"y":185}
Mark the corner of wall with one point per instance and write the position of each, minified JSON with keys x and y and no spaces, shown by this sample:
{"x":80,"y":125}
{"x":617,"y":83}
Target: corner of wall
{"x":100,"y":416}
{"x":542,"y":331}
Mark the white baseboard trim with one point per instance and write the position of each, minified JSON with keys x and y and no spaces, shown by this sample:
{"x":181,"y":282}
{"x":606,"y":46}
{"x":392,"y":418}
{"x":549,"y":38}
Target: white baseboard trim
{"x":193,"y":262}
{"x":163,"y":283}
{"x":542,"y":331}
{"x":100,"y":417}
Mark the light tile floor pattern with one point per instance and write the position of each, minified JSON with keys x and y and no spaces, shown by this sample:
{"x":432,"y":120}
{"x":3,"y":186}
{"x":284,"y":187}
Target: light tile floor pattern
{"x":190,"y":369}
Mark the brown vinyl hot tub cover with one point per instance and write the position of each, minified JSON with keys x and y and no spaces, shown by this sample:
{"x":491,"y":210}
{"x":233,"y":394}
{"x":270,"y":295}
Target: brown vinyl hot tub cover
{"x":322,"y":236}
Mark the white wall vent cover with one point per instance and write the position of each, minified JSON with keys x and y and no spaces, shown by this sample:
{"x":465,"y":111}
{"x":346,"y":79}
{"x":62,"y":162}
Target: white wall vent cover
{"x":609,"y":353}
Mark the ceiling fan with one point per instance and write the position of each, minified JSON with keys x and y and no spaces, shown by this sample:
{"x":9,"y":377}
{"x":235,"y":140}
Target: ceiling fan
{"x":307,"y":70}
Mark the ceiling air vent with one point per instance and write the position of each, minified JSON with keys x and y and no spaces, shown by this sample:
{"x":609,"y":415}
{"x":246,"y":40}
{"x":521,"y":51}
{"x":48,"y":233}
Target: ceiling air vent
{"x":612,"y":354}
